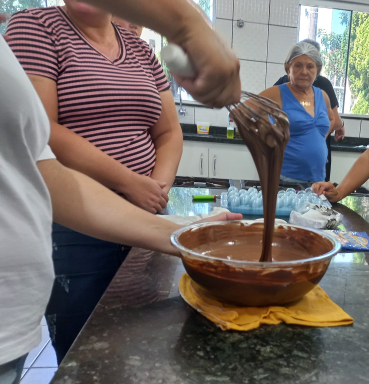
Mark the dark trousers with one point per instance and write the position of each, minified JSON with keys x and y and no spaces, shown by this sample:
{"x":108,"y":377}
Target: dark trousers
{"x":84,"y":267}
{"x":329,"y":158}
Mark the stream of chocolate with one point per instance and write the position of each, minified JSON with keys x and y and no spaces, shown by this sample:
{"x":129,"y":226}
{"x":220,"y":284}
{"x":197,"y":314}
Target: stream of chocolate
{"x":266,"y":141}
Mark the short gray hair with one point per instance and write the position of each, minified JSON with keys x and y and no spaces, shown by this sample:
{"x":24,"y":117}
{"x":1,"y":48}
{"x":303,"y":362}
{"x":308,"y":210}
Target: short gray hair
{"x":304,"y":48}
{"x":312,"y":42}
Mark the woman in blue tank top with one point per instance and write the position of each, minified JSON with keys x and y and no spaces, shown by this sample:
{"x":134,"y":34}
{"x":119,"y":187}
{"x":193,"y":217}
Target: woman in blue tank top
{"x":310,"y":115}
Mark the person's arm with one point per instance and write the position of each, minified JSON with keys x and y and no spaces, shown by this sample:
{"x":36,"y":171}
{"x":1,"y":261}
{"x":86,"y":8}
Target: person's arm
{"x":357,"y":176}
{"x":168,"y":140}
{"x":273,"y":93}
{"x":86,"y":206}
{"x":337,"y":123}
{"x":217,"y":80}
{"x":78,"y":153}
{"x":330,"y":112}
{"x":339,"y":134}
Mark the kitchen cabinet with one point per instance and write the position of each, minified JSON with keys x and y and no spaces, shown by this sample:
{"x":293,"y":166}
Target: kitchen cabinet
{"x":194,"y":160}
{"x":341,"y":164}
{"x":219,"y":160}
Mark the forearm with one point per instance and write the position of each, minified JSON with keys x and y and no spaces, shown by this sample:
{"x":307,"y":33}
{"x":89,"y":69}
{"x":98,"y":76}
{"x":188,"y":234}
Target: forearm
{"x":86,"y":206}
{"x":171,"y":23}
{"x":357,"y":176}
{"x":337,"y":122}
{"x":169,"y":149}
{"x":79,"y":154}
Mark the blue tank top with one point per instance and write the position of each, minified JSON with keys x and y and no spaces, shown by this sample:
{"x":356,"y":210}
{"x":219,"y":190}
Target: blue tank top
{"x":306,"y":152}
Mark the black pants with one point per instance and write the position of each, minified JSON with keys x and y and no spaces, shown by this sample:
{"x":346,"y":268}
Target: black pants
{"x":329,"y":159}
{"x":84,"y":267}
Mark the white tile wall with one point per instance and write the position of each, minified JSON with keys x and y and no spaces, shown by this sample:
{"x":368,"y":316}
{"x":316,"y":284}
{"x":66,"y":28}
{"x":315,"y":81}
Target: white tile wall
{"x":250,"y":41}
{"x":270,"y":30}
{"x":280,"y":41}
{"x":256,"y":11}
{"x":224,"y":9}
{"x":224,"y":29}
{"x":352,"y":127}
{"x":274,"y":72}
{"x":283,"y":12}
{"x":364,"y":132}
{"x":189,"y":118}
{"x":216,"y":117}
{"x":253,"y":76}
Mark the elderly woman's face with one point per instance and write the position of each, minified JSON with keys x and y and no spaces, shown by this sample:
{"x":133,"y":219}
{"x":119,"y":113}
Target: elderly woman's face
{"x":302,"y":71}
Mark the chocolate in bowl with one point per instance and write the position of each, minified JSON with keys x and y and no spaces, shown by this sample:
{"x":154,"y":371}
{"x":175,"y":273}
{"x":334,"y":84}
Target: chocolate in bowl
{"x":223,"y":258}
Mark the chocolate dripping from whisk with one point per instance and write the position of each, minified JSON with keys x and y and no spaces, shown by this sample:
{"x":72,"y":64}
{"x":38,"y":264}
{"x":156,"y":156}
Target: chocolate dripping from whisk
{"x":266,"y":142}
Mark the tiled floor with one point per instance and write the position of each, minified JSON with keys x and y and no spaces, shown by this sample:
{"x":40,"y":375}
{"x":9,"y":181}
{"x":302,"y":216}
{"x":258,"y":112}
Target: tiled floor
{"x":41,"y":362}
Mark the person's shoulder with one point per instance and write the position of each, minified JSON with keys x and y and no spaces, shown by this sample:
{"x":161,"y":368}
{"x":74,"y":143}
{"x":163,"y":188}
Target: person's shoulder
{"x":272,"y":93}
{"x":323,"y":83}
{"x":282,"y":80}
{"x":43,"y":15}
{"x":36,"y":12}
{"x":323,"y":80}
{"x":131,"y":39}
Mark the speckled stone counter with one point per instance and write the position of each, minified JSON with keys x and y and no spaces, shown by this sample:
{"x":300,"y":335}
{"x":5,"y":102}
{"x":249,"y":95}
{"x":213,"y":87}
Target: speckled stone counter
{"x":168,"y":342}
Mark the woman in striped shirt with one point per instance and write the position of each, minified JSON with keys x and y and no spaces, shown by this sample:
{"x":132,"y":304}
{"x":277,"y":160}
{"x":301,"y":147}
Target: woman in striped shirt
{"x":113,"y":118}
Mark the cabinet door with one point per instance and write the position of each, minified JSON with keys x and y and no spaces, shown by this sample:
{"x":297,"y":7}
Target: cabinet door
{"x":341,"y":164}
{"x":194,"y":161}
{"x":230,"y":161}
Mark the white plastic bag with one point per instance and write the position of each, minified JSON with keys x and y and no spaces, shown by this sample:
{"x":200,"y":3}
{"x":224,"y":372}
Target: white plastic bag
{"x":315,"y":216}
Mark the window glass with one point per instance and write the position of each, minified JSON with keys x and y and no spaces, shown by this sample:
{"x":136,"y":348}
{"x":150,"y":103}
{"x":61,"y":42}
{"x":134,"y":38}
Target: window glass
{"x":344,"y":39}
{"x":357,"y":91}
{"x":12,"y":6}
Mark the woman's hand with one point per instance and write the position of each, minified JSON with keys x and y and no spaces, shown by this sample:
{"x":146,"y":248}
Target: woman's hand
{"x":339,"y":134}
{"x":224,"y":216}
{"x":146,"y":193}
{"x":328,"y":190}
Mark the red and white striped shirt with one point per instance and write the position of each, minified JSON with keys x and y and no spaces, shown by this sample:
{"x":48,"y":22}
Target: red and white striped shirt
{"x":113,"y":104}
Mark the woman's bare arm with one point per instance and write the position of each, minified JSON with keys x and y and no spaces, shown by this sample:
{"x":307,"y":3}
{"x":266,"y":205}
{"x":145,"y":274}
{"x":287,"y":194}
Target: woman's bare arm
{"x":217,"y":81}
{"x":88,"y":207}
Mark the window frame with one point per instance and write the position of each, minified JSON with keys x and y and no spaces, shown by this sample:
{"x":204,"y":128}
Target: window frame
{"x":343,"y":6}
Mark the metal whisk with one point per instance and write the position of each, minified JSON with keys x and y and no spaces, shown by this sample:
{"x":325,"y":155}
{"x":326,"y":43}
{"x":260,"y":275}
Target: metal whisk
{"x":265,"y":130}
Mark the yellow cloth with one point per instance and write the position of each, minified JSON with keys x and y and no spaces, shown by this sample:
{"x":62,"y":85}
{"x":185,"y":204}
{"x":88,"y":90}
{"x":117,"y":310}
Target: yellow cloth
{"x":315,"y":309}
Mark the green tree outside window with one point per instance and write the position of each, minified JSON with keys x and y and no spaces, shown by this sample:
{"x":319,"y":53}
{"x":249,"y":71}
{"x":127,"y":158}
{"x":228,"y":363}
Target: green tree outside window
{"x":12,"y":6}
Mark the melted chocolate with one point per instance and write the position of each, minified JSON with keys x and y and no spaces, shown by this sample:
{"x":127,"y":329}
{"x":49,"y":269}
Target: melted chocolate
{"x":266,"y":142}
{"x":261,"y":284}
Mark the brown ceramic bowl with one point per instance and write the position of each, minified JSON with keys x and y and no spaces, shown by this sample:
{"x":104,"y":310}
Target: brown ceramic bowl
{"x":212,"y":254}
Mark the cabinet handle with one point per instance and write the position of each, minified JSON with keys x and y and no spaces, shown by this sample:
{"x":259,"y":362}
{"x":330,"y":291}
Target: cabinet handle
{"x":214,"y":165}
{"x":201,"y":162}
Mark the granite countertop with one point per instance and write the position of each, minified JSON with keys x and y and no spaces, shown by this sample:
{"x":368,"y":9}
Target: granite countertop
{"x":168,"y":342}
{"x":219,"y":135}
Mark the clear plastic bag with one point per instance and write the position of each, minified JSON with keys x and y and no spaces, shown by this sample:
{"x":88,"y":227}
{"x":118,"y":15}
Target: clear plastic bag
{"x":315,"y":216}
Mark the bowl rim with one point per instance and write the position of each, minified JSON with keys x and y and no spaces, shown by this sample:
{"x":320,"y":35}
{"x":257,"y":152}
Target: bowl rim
{"x":175,"y":241}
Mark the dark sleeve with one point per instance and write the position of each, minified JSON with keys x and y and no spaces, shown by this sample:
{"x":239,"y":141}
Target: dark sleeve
{"x":282,"y":80}
{"x":326,"y":85}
